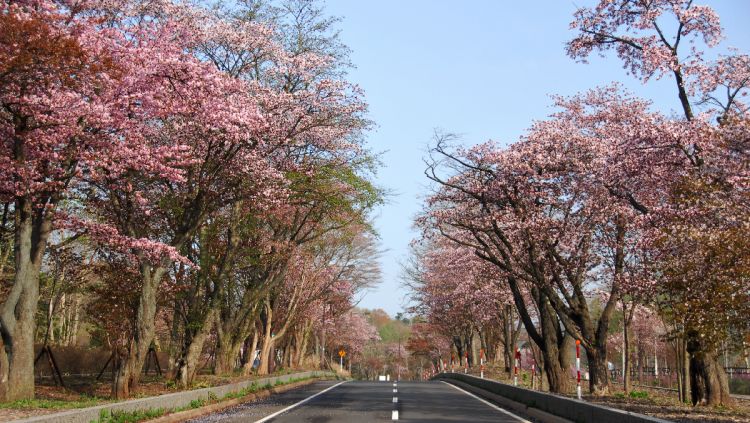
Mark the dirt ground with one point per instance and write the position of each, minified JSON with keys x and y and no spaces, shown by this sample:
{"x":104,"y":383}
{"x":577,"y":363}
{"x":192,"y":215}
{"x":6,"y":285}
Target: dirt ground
{"x":666,"y":406}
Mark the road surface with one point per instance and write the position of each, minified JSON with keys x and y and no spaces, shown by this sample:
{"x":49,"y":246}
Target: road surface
{"x":363,"y":402}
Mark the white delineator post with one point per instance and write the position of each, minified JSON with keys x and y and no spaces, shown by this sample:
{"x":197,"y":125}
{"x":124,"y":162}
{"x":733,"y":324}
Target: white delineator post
{"x":578,"y":368}
{"x":466,"y":362}
{"x":533,"y":374}
{"x":515,"y":367}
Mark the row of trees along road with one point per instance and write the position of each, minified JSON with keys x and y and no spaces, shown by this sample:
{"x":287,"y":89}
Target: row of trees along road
{"x":198,"y":170}
{"x":606,"y":203}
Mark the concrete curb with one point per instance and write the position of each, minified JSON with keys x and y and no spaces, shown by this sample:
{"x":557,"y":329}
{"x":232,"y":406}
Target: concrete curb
{"x":544,"y":406}
{"x":166,"y":401}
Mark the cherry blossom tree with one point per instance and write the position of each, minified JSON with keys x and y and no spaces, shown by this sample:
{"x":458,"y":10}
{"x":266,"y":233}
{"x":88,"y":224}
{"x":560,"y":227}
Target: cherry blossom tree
{"x":193,"y":145}
{"x":352,"y":331}
{"x":76,"y":112}
{"x":462,"y":296}
{"x":710,"y":168}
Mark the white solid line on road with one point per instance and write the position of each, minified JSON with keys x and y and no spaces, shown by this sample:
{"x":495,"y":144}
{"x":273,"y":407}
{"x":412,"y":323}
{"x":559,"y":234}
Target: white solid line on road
{"x":269,"y":417}
{"x":395,"y":399}
{"x":394,"y":415}
{"x":520,"y":419}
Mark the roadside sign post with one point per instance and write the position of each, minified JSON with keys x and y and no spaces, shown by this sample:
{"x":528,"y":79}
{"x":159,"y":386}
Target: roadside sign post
{"x":466,"y":362}
{"x":342,"y":353}
{"x":578,"y":368}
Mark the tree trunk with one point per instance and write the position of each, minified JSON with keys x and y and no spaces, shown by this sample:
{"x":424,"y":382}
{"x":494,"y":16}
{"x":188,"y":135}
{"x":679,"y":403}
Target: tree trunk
{"x":598,"y":372}
{"x":476,"y":344}
{"x":626,"y":361}
{"x":708,"y":380}
{"x":187,"y":364}
{"x":76,"y":321}
{"x":685,"y":370}
{"x":265,"y":356}
{"x":251,"y":353}
{"x":143,"y":335}
{"x":227,"y":352}
{"x":508,"y":344}
{"x":303,"y":348}
{"x":555,"y":351}
{"x":267,"y":346}
{"x":123,"y":373}
{"x":557,"y":374}
{"x":552,"y":343}
{"x":638,"y":363}
{"x":287,"y":355}
{"x":18,"y":312}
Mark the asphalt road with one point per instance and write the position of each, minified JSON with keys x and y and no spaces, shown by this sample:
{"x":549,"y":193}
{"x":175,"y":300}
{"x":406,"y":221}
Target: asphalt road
{"x":363,"y":402}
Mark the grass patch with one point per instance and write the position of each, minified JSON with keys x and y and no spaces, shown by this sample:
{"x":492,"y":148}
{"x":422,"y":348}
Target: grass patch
{"x":196,"y":403}
{"x":201,"y":385}
{"x":118,"y":416}
{"x":638,"y":394}
{"x":53,"y":404}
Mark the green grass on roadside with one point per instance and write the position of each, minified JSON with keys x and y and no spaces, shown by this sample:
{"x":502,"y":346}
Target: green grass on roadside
{"x":118,"y":416}
{"x":638,"y":394}
{"x":53,"y":404}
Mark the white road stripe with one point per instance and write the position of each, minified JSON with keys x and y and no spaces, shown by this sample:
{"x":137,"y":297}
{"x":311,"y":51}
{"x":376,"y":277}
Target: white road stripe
{"x":395,"y":390}
{"x":394,"y":415}
{"x":520,"y":419}
{"x":269,"y":417}
{"x":395,"y":399}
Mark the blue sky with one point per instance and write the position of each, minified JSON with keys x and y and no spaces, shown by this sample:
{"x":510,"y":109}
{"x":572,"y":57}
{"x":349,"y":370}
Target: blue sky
{"x":484,"y":70}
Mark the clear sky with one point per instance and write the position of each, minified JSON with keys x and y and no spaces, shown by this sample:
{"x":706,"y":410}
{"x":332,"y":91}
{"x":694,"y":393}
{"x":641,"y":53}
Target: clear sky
{"x":482,"y":69}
